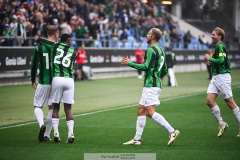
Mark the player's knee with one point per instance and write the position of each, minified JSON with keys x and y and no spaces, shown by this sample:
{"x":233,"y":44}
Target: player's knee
{"x":149,"y":114}
{"x":230,"y":103}
{"x":209,"y":102}
{"x":141,"y":111}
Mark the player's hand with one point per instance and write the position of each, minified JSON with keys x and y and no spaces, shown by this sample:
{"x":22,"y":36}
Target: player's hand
{"x":207,"y":57}
{"x":125,"y":60}
{"x":34,"y":85}
{"x":208,"y":63}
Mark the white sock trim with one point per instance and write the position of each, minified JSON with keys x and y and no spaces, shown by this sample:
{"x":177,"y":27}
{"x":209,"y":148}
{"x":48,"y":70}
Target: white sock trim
{"x":140,"y":124}
{"x":38,"y":113}
{"x":48,"y":123}
{"x":55,"y":123}
{"x":70,"y":125}
{"x":159,"y":119}
{"x":217,"y":114}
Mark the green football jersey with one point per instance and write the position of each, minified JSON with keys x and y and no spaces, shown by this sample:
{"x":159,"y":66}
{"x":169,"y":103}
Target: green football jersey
{"x":63,"y":60}
{"x":41,"y":60}
{"x":220,"y":62}
{"x":154,"y":65}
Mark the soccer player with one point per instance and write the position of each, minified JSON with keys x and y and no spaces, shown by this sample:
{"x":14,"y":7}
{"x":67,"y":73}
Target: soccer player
{"x":171,"y":61}
{"x":81,"y":56}
{"x":155,"y":69}
{"x":139,"y":54}
{"x":63,"y":83}
{"x":41,"y":59}
{"x":221,"y":81}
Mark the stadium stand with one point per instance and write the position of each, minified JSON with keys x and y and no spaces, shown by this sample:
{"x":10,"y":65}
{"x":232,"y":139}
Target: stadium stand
{"x":22,"y":22}
{"x":98,"y":24}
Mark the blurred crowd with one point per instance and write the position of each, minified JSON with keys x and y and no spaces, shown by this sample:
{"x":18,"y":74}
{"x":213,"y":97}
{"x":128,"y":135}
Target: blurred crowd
{"x":96,"y":23}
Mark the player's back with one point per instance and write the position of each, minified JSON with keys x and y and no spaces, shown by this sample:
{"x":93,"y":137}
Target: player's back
{"x":157,"y":66}
{"x":63,"y":60}
{"x":44,"y":64}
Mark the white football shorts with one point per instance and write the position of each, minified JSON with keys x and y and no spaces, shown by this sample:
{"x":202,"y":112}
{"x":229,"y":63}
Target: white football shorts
{"x":150,"y":96}
{"x":42,"y":95}
{"x":221,"y":84}
{"x":62,"y":90}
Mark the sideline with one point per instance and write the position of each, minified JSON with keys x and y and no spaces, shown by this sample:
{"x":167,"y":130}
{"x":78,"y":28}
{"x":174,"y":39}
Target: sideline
{"x":118,"y":108}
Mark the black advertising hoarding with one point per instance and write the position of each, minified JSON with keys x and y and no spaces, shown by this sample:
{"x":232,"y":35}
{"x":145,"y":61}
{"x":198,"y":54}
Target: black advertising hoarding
{"x":193,"y":57}
{"x":12,"y":59}
{"x":15,"y":58}
{"x":107,"y":57}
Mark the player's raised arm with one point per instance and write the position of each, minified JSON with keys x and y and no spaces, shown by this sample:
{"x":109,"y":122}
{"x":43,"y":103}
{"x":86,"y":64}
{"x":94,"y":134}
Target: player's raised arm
{"x":46,"y":42}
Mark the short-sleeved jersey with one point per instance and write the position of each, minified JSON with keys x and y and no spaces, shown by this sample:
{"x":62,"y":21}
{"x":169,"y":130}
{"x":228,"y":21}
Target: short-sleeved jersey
{"x":41,"y":59}
{"x":220,"y":62}
{"x":154,"y":65}
{"x":63,"y":60}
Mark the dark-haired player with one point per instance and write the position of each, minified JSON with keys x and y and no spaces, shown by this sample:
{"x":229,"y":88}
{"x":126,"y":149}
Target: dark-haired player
{"x":63,"y":59}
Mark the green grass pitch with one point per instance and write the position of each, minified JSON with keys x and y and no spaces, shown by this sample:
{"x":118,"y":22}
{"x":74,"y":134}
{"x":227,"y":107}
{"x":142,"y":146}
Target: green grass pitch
{"x":105,"y":117}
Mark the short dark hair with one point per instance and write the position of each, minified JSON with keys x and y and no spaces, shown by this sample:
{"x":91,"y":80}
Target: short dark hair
{"x":65,"y":37}
{"x":52,"y":29}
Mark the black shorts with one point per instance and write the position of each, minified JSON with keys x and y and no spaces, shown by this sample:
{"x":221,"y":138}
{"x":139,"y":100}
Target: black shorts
{"x":79,"y":66}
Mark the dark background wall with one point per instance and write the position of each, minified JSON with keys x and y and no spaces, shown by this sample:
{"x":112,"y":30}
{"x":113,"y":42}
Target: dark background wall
{"x":13,"y":59}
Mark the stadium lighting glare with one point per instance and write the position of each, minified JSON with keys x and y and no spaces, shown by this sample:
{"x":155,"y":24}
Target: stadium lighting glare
{"x":167,"y":2}
{"x":144,"y":1}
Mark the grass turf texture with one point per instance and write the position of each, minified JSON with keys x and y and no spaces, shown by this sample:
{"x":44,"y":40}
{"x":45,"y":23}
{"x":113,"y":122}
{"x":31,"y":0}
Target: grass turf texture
{"x":184,"y":107}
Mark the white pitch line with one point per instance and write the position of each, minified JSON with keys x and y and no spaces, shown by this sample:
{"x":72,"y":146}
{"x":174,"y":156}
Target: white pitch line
{"x":110,"y":109}
{"x":132,"y":105}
